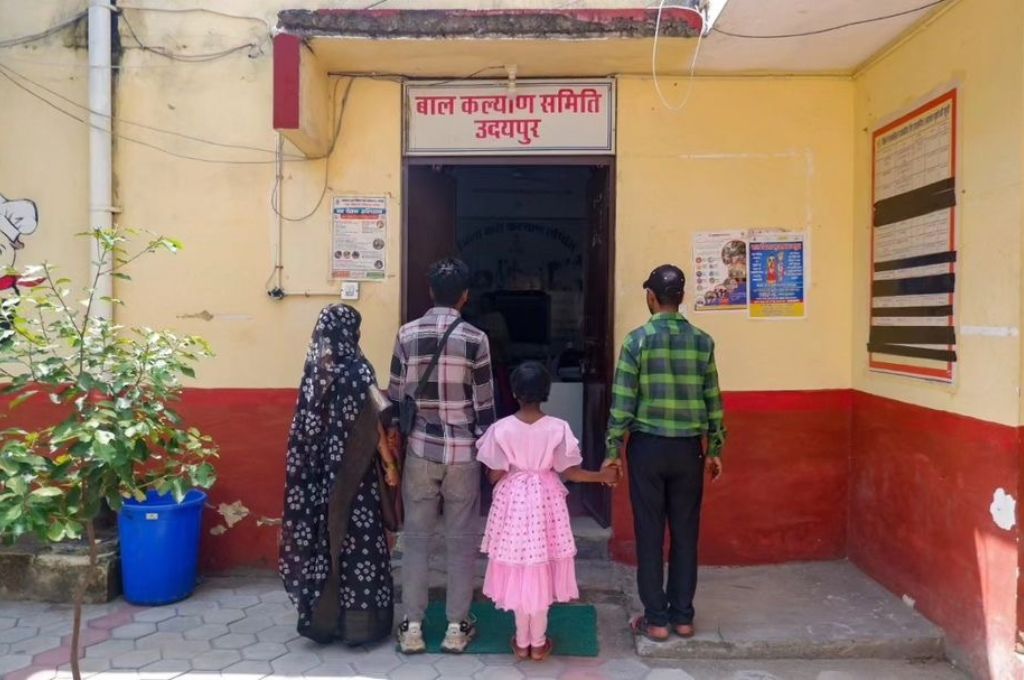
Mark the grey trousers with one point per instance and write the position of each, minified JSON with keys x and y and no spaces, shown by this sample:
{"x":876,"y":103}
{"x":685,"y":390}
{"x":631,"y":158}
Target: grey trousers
{"x":424,"y":485}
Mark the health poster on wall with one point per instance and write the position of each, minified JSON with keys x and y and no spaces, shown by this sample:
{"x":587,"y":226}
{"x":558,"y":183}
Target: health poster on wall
{"x":720,"y":270}
{"x":777,"y":276}
{"x":359,"y":238}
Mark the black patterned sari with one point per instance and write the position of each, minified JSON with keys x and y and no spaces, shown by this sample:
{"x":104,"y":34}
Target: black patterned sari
{"x":334,"y":559}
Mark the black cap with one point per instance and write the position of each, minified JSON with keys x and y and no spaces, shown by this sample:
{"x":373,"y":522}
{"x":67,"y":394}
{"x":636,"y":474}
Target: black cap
{"x":666,"y":281}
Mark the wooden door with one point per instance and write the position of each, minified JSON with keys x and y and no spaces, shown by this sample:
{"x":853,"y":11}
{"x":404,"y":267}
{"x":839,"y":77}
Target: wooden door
{"x":430,"y":216}
{"x":598,"y":340}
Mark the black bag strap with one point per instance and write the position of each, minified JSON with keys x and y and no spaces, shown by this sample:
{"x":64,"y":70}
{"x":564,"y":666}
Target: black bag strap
{"x":425,"y":378}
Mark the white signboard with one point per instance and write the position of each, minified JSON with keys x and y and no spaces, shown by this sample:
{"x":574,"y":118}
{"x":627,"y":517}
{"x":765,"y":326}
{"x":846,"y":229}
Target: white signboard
{"x":492,"y":118}
{"x":359,"y":238}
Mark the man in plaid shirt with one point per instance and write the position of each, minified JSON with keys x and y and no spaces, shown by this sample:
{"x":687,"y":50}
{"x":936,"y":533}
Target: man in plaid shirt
{"x":453,"y":409}
{"x":666,"y":399}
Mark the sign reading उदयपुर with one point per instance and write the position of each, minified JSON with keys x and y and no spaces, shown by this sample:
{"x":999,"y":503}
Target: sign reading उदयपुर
{"x":529,"y":117}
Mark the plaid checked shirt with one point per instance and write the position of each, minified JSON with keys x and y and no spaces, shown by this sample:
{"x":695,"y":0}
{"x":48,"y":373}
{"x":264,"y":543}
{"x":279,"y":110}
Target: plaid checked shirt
{"x":666,"y":384}
{"x":457,"y":403}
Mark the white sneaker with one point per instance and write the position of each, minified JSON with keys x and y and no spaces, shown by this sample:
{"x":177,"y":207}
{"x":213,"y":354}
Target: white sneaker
{"x":457,"y":637}
{"x":410,"y":638}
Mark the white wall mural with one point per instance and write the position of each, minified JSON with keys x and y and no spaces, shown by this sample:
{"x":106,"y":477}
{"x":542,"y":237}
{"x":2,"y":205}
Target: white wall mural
{"x":19,"y":219}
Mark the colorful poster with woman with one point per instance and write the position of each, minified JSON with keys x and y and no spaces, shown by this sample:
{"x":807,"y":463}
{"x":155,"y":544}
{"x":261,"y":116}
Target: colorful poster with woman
{"x":777,"y":278}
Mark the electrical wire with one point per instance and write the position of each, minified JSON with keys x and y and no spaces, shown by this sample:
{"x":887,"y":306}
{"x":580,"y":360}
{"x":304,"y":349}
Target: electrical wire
{"x":401,"y":78}
{"x":155,"y":147}
{"x":254,"y":48}
{"x":829,"y":29}
{"x":23,"y":40}
{"x":275,"y":194}
{"x":196,"y":10}
{"x":693,"y":61}
{"x":144,"y":126}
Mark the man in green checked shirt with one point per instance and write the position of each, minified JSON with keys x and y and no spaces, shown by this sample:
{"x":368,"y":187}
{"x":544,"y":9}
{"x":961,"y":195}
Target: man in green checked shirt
{"x":666,"y":400}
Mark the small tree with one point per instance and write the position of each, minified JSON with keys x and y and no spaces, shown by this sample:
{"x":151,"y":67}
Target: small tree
{"x":110,"y":434}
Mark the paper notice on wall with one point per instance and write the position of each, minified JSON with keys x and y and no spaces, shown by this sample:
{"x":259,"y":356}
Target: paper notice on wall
{"x":777,"y":276}
{"x":359,"y":238}
{"x":913,"y":245}
{"x":720,"y":270}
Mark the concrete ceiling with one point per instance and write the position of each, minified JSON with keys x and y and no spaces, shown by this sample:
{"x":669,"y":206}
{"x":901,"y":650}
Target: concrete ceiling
{"x":836,"y":51}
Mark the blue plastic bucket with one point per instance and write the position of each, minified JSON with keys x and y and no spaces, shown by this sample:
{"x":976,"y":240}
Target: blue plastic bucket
{"x":160,"y":547}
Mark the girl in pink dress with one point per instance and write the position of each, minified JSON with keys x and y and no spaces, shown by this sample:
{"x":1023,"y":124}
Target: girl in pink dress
{"x":528,"y":537}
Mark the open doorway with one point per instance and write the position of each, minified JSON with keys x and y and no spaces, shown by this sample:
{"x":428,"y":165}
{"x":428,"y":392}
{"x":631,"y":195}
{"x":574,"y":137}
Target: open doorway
{"x":538,"y":238}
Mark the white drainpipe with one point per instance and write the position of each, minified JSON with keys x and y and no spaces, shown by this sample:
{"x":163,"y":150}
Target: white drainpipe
{"x":100,"y":148}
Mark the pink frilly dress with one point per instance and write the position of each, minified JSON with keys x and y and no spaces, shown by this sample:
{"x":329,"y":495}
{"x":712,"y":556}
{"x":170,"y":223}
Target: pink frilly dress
{"x":528,"y":537}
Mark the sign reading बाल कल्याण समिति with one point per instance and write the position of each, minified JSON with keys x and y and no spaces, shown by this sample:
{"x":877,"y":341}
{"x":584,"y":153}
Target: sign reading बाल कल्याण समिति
{"x":533,"y":117}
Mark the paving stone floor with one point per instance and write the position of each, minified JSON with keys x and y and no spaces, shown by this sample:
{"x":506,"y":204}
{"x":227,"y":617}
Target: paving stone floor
{"x":244,"y":629}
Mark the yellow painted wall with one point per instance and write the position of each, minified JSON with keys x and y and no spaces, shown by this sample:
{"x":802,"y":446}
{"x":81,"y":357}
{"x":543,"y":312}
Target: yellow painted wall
{"x":44,"y":153}
{"x":977,"y":46}
{"x":676,"y":174}
{"x":712,"y":166}
{"x":223,"y":215}
{"x":743,"y":153}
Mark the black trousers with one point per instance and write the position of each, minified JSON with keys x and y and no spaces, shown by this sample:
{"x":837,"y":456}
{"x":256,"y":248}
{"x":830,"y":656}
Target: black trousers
{"x":666,"y":483}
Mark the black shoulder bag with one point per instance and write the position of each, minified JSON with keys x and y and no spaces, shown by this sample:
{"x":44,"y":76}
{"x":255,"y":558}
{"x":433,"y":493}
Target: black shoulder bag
{"x":407,"y":407}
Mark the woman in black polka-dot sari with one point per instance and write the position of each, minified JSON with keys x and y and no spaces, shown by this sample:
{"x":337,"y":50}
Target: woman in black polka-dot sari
{"x":334,"y":559}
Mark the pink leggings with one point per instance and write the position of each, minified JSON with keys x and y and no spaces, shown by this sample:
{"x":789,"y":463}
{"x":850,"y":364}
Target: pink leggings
{"x":531,"y":629}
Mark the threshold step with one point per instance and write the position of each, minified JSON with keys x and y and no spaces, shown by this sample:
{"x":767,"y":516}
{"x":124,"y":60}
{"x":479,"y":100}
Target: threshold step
{"x":814,"y":610}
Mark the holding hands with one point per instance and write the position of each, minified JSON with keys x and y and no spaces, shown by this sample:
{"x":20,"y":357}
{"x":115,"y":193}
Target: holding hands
{"x":611,"y":471}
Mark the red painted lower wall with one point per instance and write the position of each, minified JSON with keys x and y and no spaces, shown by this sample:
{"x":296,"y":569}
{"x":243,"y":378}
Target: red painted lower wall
{"x":251,"y":429}
{"x":904,"y":491}
{"x":783,"y":496}
{"x":921,"y":483}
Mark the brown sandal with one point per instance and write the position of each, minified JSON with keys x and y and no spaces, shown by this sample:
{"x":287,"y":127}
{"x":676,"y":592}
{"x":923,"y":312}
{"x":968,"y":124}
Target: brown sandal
{"x":639,"y":626}
{"x":684,"y":630}
{"x":544,"y":652}
{"x":521,"y":653}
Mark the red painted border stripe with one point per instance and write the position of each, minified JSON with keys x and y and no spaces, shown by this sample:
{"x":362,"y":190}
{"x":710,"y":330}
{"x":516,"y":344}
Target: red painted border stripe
{"x":807,"y":400}
{"x":287,"y":59}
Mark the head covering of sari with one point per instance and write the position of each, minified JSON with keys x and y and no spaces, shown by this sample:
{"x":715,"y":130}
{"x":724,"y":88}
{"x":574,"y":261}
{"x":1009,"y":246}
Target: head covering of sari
{"x":335,"y":388}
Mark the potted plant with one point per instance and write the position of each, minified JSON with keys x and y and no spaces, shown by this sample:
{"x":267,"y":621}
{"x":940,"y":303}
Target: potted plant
{"x":110,"y":438}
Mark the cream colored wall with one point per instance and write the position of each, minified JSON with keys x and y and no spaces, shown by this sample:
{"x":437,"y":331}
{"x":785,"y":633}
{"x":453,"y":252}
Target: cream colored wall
{"x":743,"y":153}
{"x":43,"y":153}
{"x":977,"y":46}
{"x":223,"y":215}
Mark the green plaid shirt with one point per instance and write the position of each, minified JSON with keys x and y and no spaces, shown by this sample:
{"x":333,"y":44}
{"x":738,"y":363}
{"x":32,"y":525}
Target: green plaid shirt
{"x":666,"y":384}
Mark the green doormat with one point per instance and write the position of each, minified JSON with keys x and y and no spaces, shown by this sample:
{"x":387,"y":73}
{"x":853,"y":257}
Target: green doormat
{"x":572,"y":627}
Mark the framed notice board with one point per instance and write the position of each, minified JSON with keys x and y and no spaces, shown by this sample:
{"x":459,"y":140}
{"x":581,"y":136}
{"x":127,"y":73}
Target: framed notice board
{"x":913,"y":243}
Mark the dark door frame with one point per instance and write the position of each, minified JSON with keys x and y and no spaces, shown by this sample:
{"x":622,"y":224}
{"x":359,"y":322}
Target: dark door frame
{"x":607,"y":162}
{"x":594,"y":161}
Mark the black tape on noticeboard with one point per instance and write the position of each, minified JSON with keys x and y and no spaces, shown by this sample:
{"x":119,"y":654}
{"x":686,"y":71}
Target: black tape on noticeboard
{"x":920,"y":201}
{"x":937,"y":310}
{"x":916,"y":285}
{"x":912,"y":335}
{"x":920,"y":261}
{"x":913,"y":352}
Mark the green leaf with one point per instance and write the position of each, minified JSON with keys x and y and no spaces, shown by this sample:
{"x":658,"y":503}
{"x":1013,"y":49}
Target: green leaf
{"x":204,"y":476}
{"x":178,"y":489}
{"x":22,"y":398}
{"x":47,"y":492}
{"x":57,"y":532}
